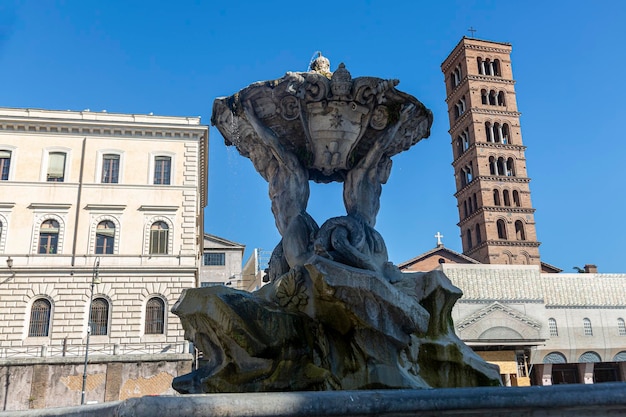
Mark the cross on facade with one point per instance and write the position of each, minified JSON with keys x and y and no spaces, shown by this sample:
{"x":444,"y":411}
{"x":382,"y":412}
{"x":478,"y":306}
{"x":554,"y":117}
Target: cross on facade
{"x":439,"y":236}
{"x":471,"y":30}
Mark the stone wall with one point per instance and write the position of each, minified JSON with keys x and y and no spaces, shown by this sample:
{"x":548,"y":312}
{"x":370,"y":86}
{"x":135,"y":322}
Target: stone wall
{"x":57,"y":382}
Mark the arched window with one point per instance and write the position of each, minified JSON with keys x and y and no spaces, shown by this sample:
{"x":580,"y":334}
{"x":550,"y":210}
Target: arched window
{"x":470,"y":205}
{"x":159,"y":235}
{"x":589,"y":357}
{"x":493,"y":98}
{"x":481,"y":66}
{"x":505,"y":133}
{"x":493,"y":167}
{"x":457,"y":76}
{"x":99,"y":317}
{"x":510,"y":167}
{"x":5,"y":164}
{"x":40,"y":318}
{"x":468,"y":234}
{"x":155,"y":316}
{"x":501,"y":100}
{"x":459,"y":146}
{"x":516,"y":199}
{"x":554,"y":330}
{"x":496,"y":197}
{"x":621,"y":327}
{"x":554,"y":357}
{"x":49,"y":237}
{"x":479,"y":237}
{"x":519,"y":230}
{"x":500,"y":166}
{"x":465,"y":139}
{"x":465,"y":210}
{"x":475,"y":203}
{"x":483,"y":96}
{"x":105,"y":237}
{"x":497,"y":130}
{"x":587,"y":330}
{"x":496,"y":68}
{"x":507,"y":198}
{"x":489,"y":131}
{"x":501,"y":229}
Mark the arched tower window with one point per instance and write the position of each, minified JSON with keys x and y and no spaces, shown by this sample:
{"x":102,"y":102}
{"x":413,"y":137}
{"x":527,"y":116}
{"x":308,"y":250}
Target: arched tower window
{"x":501,"y":229}
{"x":496,"y":197}
{"x":621,"y":327}
{"x":39,"y":325}
{"x":554,"y":330}
{"x":505,"y":133}
{"x":501,"y":100}
{"x":519,"y":230}
{"x":497,"y":130}
{"x":105,"y":237}
{"x":475,"y":202}
{"x":468,"y":235}
{"x":479,"y":237}
{"x":507,"y":198}
{"x":493,"y":98}
{"x":510,"y":167}
{"x":516,"y":199}
{"x":587,"y":330}
{"x":484,"y":96}
{"x":465,"y":210}
{"x":493,"y":167}
{"x":99,"y":317}
{"x":496,"y":68}
{"x":489,"y":131}
{"x":457,"y":76}
{"x":155,"y":316}
{"x":500,"y":166}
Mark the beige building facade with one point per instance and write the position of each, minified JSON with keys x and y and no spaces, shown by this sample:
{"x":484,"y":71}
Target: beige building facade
{"x":221,"y":262}
{"x":111,"y":199}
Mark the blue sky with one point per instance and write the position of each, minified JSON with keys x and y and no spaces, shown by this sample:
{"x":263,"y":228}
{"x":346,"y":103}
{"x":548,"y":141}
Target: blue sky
{"x":174,"y":58}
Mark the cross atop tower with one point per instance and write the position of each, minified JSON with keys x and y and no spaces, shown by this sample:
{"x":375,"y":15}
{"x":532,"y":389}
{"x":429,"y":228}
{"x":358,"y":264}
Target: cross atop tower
{"x":439,"y":236}
{"x":471,"y":30}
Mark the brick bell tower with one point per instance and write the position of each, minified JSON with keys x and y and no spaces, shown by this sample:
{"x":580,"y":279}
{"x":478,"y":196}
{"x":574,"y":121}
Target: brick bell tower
{"x":496,"y":216}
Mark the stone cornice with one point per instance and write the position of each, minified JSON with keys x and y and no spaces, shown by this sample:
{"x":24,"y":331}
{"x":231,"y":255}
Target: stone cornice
{"x":490,"y":78}
{"x":494,"y":178}
{"x":495,"y":209}
{"x":500,"y":146}
{"x":480,"y":110}
{"x":114,"y":128}
{"x":105,"y":207}
{"x":49,"y":206}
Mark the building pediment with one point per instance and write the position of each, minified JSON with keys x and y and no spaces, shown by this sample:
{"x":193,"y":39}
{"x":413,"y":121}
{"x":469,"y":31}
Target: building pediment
{"x":498,"y":322}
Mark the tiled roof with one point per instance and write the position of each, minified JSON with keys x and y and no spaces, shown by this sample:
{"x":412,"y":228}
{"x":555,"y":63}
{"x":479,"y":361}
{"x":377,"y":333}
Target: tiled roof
{"x":526,"y":283}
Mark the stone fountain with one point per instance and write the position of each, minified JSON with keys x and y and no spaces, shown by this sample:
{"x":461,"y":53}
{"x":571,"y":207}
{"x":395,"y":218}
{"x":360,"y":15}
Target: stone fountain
{"x":336,"y":314}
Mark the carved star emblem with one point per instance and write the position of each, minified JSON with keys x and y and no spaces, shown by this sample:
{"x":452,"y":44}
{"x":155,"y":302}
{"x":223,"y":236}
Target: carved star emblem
{"x":336,"y":119}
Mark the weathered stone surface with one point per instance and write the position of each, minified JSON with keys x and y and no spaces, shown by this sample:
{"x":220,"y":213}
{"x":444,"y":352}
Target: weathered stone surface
{"x":336,"y":314}
{"x":577,"y":400}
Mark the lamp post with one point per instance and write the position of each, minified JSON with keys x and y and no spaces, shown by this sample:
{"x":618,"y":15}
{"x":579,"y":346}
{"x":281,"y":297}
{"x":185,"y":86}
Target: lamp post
{"x":94,"y":281}
{"x":10,"y":266}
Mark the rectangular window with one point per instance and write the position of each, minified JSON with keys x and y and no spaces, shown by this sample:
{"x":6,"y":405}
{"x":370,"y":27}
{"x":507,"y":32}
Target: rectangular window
{"x":56,"y":167}
{"x":110,"y":168}
{"x":5,"y":163}
{"x":210,"y":284}
{"x":162,"y":167}
{"x":215,"y":259}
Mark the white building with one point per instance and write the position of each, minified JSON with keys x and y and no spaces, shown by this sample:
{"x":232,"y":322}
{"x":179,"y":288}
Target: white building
{"x":86,"y":195}
{"x":221,"y":262}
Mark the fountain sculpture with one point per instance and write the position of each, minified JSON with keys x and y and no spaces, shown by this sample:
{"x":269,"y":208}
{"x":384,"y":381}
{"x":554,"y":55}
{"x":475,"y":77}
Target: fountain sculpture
{"x":336,"y":314}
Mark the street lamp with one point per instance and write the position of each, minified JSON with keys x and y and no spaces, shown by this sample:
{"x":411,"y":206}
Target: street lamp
{"x":10,"y":265}
{"x":95,"y":279}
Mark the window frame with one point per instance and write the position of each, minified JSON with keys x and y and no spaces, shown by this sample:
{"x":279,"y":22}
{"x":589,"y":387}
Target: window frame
{"x":621,"y":327}
{"x":63,"y":174}
{"x":107,"y":236}
{"x":161,"y":242}
{"x":152,"y":171}
{"x":43,"y":325}
{"x":6,"y":170}
{"x":155,"y":318}
{"x":52,"y":236}
{"x":220,"y":256}
{"x":113,"y":171}
{"x":553,"y":327}
{"x":103,"y":316}
{"x":587,"y":328}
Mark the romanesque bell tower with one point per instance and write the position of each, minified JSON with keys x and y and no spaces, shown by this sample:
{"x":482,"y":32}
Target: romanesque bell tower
{"x":496,"y":216}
